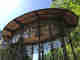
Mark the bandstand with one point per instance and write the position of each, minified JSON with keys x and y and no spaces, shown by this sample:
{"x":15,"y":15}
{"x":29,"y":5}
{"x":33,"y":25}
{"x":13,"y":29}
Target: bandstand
{"x":39,"y":32}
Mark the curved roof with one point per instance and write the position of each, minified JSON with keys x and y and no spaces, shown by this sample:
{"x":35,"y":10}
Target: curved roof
{"x":18,"y":24}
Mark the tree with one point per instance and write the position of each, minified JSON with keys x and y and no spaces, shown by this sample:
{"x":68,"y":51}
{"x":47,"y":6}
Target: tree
{"x":74,"y":6}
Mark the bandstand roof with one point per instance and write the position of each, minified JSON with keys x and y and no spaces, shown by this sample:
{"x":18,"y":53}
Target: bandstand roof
{"x":21,"y":23}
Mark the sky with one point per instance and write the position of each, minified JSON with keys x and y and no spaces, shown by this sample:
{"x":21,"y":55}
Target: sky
{"x":10,"y":9}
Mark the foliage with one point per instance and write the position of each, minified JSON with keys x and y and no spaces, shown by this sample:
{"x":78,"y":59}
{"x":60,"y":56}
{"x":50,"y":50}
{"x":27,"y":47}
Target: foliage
{"x":69,"y":4}
{"x":73,"y":5}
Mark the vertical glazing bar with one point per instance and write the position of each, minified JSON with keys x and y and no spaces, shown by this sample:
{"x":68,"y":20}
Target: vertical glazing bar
{"x":30,"y":31}
{"x":54,"y":30}
{"x":20,"y":47}
{"x":42,"y":51}
{"x":26,"y":53}
{"x":32,"y":50}
{"x":64,"y":48}
{"x":38,"y":32}
{"x":50,"y":38}
{"x":63,"y":34}
{"x":70,"y":41}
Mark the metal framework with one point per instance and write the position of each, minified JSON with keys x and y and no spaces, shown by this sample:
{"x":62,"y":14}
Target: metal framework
{"x":32,"y":31}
